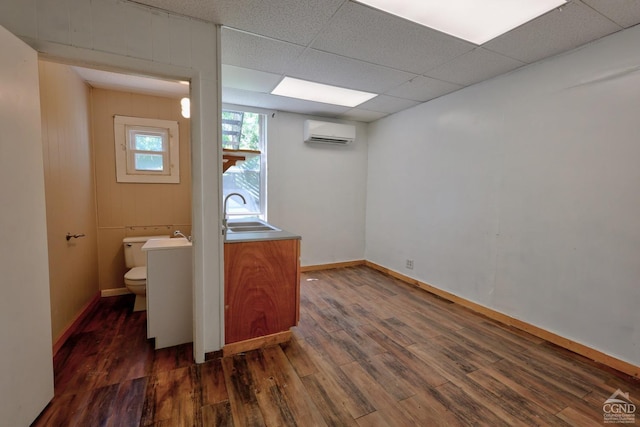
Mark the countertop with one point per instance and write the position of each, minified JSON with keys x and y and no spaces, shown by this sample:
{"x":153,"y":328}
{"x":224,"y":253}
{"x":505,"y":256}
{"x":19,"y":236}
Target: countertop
{"x":166,"y":243}
{"x":230,"y":237}
{"x":256,"y":236}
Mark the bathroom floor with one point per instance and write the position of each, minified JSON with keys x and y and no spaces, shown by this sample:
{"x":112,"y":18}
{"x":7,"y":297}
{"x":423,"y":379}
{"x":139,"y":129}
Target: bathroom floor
{"x":102,"y":373}
{"x":369,"y":350}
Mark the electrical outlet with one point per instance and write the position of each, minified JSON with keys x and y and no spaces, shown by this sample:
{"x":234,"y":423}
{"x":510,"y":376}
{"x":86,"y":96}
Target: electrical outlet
{"x":409,"y":264}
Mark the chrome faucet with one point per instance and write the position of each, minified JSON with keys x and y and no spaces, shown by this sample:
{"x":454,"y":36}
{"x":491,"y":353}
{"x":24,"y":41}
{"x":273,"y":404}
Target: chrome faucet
{"x":179,"y":233}
{"x":224,"y":208}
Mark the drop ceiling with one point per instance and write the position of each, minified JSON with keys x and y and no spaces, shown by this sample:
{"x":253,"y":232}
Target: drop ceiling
{"x":347,"y":44}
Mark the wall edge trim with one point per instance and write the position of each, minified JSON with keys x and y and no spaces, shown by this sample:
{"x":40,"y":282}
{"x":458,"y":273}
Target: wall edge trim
{"x":73,"y":326}
{"x":332,"y":266}
{"x":114,"y":292}
{"x":256,"y":343}
{"x":581,"y":349}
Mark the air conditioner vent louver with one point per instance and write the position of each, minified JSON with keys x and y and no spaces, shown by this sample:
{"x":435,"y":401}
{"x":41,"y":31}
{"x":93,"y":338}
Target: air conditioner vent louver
{"x":329,"y":140}
{"x":328,"y":133}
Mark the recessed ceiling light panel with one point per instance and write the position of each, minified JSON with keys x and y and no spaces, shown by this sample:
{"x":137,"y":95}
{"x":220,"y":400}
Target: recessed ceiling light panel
{"x":477,"y":21}
{"x":318,"y":92}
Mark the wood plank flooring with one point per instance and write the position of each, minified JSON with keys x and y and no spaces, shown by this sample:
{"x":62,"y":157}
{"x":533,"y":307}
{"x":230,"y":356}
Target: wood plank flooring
{"x":369,"y":351}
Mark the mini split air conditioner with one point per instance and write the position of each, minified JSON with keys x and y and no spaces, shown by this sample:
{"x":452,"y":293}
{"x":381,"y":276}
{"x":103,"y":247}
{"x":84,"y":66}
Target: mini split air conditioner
{"x":328,"y":133}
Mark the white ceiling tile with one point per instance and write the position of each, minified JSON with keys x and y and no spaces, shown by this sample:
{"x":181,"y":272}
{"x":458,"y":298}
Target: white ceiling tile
{"x":555,"y":32}
{"x":131,"y":83}
{"x":475,"y":66}
{"x":281,"y":103}
{"x":422,"y":89}
{"x":247,"y":79}
{"x":363,"y":33}
{"x":387,"y":104}
{"x":244,"y":97}
{"x":193,"y":8}
{"x":360,"y":115}
{"x":347,"y":44}
{"x":623,"y":12}
{"x":290,"y":20}
{"x":337,"y":70}
{"x":259,"y":53}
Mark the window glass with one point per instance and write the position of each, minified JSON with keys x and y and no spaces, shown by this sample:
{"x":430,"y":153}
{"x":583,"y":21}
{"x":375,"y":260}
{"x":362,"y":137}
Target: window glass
{"x":145,"y":143}
{"x":148,"y":142}
{"x":242,"y":130}
{"x":149,"y":162}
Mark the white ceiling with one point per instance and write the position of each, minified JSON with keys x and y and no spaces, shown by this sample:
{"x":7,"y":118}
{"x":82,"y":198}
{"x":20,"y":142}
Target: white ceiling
{"x":140,"y":84}
{"x":344,"y":43}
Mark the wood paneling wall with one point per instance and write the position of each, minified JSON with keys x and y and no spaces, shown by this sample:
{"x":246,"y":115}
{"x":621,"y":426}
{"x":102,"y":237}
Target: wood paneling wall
{"x":70,"y":192}
{"x":126,"y":209}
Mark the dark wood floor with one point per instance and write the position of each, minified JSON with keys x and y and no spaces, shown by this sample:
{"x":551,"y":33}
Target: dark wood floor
{"x":369,"y":351}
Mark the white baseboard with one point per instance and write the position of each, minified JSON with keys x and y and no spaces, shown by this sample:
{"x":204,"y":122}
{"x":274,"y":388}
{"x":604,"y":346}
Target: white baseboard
{"x":114,"y":292}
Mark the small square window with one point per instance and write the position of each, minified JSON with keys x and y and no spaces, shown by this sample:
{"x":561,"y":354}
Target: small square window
{"x":146,"y":150}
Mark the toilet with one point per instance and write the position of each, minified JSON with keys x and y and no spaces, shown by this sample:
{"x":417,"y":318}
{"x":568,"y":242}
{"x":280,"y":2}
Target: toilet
{"x":136,"y":261}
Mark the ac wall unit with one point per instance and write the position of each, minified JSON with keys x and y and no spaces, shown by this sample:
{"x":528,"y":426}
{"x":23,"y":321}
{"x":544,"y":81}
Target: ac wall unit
{"x":328,"y":133}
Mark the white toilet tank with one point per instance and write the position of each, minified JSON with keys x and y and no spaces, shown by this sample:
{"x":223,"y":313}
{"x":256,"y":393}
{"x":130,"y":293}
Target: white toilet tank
{"x":133,"y":255}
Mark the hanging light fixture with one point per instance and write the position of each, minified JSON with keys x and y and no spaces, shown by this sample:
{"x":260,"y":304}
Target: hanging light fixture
{"x":186,"y":107}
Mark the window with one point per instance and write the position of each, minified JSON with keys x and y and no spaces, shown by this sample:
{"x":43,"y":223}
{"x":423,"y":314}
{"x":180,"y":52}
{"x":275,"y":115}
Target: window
{"x":244,"y":130}
{"x":147,"y":150}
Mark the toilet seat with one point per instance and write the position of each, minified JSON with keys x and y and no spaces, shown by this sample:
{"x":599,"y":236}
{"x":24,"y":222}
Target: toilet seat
{"x":136,"y":274}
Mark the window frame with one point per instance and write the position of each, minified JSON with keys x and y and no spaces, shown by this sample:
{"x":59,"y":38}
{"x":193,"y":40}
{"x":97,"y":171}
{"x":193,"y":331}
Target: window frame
{"x":125,"y":151}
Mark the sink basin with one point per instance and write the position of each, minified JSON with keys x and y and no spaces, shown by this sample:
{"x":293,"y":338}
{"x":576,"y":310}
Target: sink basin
{"x":249,"y":227}
{"x":165,"y":243}
{"x":252,"y":229}
{"x":246,"y":224}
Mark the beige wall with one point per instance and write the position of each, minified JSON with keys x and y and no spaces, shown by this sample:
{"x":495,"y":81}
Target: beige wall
{"x":126,"y":209}
{"x":69,"y":191}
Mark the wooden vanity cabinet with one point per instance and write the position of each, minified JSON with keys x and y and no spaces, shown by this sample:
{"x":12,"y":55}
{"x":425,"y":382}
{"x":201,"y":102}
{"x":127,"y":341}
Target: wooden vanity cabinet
{"x":262,"y":291}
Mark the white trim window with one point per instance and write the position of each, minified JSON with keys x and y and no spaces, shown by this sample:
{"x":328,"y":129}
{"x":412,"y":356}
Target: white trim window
{"x":147,"y":150}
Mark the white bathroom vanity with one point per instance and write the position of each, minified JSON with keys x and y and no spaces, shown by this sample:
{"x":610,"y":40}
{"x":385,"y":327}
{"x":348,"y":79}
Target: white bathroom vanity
{"x":169,"y":291}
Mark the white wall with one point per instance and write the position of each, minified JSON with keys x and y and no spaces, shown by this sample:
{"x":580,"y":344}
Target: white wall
{"x":128,"y":37}
{"x":521,"y":194}
{"x":317,"y":191}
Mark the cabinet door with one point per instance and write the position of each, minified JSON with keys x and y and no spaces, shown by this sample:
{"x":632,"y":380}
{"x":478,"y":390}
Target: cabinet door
{"x":261,"y":288}
{"x":169,"y":296}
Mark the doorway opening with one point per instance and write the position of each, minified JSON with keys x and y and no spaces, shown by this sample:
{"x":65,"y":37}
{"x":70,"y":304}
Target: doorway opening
{"x":83,"y":197}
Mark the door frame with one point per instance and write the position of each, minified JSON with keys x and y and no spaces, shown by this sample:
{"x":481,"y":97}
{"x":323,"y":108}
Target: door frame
{"x":206,"y":161}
